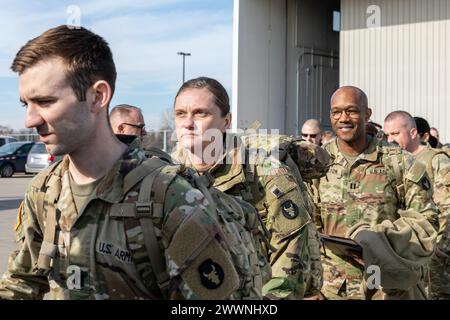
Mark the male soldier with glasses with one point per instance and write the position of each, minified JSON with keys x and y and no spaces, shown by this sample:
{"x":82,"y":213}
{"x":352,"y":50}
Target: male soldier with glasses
{"x":311,"y":131}
{"x":127,"y":120}
{"x":376,"y":195}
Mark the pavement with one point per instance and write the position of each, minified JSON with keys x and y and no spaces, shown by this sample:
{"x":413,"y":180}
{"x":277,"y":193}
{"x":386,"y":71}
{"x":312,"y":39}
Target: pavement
{"x":12,"y":191}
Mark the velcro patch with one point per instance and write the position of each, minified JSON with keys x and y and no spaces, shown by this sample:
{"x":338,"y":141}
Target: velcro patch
{"x":416,"y":172}
{"x":202,"y":261}
{"x":277,"y":192}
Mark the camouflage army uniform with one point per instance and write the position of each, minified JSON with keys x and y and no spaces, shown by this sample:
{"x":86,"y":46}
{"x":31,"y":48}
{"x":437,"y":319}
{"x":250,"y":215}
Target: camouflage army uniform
{"x":295,"y":251}
{"x":438,"y":169}
{"x":101,"y":254}
{"x":364,"y":192}
{"x":312,"y":189}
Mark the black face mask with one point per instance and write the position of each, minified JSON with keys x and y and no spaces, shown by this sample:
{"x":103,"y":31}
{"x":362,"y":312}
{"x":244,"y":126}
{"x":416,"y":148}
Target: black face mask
{"x":433,"y":141}
{"x":126,"y":138}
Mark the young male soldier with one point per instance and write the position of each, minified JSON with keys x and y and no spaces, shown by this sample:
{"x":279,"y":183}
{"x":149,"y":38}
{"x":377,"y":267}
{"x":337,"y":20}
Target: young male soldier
{"x":90,"y":228}
{"x":202,"y":111}
{"x":400,"y":127}
{"x":127,"y":120}
{"x":378,"y":196}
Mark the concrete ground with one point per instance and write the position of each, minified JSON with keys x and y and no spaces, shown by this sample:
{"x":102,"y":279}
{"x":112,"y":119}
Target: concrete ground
{"x":12,"y":191}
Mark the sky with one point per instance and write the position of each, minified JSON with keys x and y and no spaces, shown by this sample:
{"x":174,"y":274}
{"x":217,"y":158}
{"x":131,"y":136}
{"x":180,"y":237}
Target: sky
{"x":144,"y":36}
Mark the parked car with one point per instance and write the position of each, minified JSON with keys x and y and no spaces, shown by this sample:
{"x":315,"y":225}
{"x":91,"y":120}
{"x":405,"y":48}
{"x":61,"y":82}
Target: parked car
{"x":38,"y":159}
{"x":13,"y":157}
{"x":5,"y":140}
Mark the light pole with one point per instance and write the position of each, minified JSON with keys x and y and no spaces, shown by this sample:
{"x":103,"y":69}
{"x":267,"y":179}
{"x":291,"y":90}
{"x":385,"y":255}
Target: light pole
{"x":184,"y":54}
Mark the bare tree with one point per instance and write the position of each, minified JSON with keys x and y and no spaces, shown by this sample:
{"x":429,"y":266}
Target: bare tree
{"x":164,"y":136}
{"x":167,"y":120}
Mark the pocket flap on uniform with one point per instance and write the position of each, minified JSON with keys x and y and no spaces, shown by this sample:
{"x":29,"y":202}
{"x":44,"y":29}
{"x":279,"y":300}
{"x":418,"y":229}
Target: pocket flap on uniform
{"x":416,"y":172}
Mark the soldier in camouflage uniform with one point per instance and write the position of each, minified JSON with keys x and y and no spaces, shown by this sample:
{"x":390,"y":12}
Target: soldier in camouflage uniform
{"x":202,"y":111}
{"x":372,"y":193}
{"x":401,"y":128}
{"x":127,"y":120}
{"x":89,"y":227}
{"x":312,"y":131}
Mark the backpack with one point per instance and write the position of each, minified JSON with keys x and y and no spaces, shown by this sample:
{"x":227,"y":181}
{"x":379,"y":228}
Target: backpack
{"x":306,"y":160}
{"x":427,"y":161}
{"x":240,"y":227}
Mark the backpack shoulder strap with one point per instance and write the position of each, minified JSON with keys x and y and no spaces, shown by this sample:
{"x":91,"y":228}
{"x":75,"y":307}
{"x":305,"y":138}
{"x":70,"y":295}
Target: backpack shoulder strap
{"x":149,"y":205}
{"x":51,"y":182}
{"x":41,"y":182}
{"x":140,"y":172}
{"x":153,"y":151}
{"x":146,"y":210}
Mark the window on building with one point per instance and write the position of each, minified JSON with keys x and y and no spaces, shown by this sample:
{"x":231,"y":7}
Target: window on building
{"x":336,"y":21}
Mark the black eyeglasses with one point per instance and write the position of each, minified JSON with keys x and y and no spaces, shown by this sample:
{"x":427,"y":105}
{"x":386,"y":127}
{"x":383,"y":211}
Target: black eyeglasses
{"x":137,"y":126}
{"x":351,"y":113}
{"x":305,"y":135}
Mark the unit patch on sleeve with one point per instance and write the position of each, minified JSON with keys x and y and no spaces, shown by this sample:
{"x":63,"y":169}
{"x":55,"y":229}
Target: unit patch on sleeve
{"x":211,"y":274}
{"x":289,"y":209}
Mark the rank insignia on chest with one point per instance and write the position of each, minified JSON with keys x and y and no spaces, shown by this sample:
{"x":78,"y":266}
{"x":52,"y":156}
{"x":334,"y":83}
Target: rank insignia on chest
{"x":289,"y":209}
{"x":211,"y":274}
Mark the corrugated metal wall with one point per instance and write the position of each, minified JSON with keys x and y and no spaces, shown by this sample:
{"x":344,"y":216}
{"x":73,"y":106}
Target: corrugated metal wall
{"x":402,"y":64}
